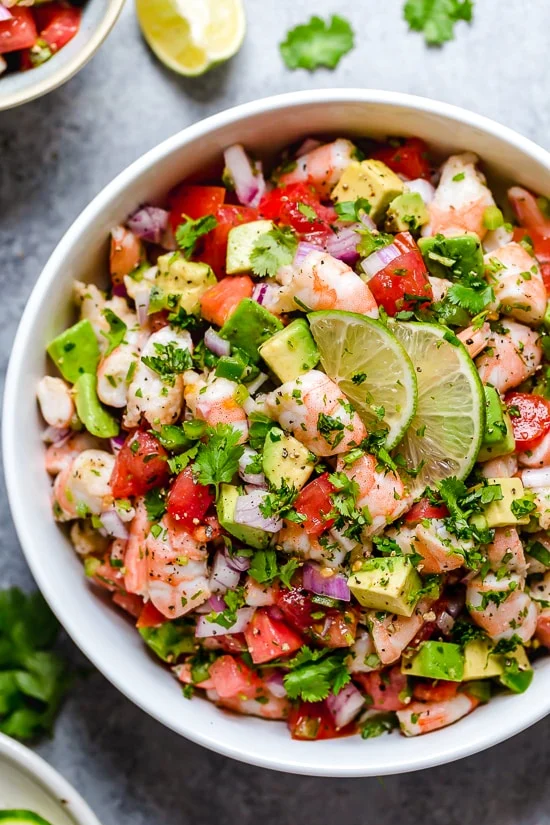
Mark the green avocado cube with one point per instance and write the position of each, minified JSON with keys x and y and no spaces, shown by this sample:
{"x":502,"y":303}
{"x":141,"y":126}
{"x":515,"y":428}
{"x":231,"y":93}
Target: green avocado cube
{"x":498,"y":438}
{"x":499,"y":513}
{"x":407,"y":212}
{"x":225,"y":507}
{"x":479,"y":661}
{"x":453,"y":258}
{"x":180,"y":283}
{"x":436,"y":660}
{"x":248,"y":326}
{"x":390,"y":584}
{"x":372,"y":180}
{"x":75,"y":351}
{"x":291,"y":352}
{"x":517,"y":673}
{"x":240,"y":245}
{"x":93,"y":415}
{"x":286,"y":460}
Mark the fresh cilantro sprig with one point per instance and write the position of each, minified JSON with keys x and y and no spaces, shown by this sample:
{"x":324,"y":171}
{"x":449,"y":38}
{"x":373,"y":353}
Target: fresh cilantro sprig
{"x":315,"y":674}
{"x":377,"y":724}
{"x":217,"y":459}
{"x":117,"y":330}
{"x":351,"y":210}
{"x":264,"y":568}
{"x":462,"y":504}
{"x":272,"y":250}
{"x":348,"y":518}
{"x":317,"y":43}
{"x":189,"y":233}
{"x":155,"y":503}
{"x":278,"y":503}
{"x":436,"y":18}
{"x":169,"y":361}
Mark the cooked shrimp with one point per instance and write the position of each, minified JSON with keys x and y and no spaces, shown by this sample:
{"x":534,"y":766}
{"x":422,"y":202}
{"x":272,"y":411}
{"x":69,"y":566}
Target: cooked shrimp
{"x":149,"y":396}
{"x":475,"y":340}
{"x":258,"y":595}
{"x":317,"y":413}
{"x":504,"y":467}
{"x":500,"y":607}
{"x":115,"y":370}
{"x":125,"y":254}
{"x":87,"y":541}
{"x":542,"y":633}
{"x":497,"y":237}
{"x":392,"y":634}
{"x":381,"y":492}
{"x":294,"y":540}
{"x":322,"y":167}
{"x":216,"y":401}
{"x":177,"y":570}
{"x":135,"y":561}
{"x":441,"y":550}
{"x":83,"y":486}
{"x":517,"y":283}
{"x":93,"y":302}
{"x":527,"y":210}
{"x":424,"y":717}
{"x":273,"y":708}
{"x":538,"y":455}
{"x":460,"y":199}
{"x":362,"y":652}
{"x":542,"y":507}
{"x":61,"y":454}
{"x":56,"y":402}
{"x":511,"y":356}
{"x":506,"y":552}
{"x":533,"y":564}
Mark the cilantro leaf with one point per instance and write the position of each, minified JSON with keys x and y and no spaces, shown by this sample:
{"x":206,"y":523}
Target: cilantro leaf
{"x":188,"y":233}
{"x":272,"y":250}
{"x":317,"y":43}
{"x":117,"y":330}
{"x":315,"y":674}
{"x":155,"y":503}
{"x":350,"y":210}
{"x":169,"y":361}
{"x":217,"y":459}
{"x":473,"y":297}
{"x":278,"y":504}
{"x":287,"y":571}
{"x":264,"y":567}
{"x":377,"y":724}
{"x":437,"y":18}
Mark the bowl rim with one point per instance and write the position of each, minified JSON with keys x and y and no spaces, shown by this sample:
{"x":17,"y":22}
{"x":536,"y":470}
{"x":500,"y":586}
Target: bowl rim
{"x":69,"y":69}
{"x":510,"y":725}
{"x":51,"y":781}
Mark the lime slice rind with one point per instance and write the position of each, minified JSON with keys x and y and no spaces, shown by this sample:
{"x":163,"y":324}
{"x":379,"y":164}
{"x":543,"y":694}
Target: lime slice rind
{"x":355,"y":345}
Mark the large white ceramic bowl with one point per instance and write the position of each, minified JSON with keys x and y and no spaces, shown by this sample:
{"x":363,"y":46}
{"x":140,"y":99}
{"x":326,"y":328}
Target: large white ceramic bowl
{"x":98,"y":18}
{"x":107,"y":638}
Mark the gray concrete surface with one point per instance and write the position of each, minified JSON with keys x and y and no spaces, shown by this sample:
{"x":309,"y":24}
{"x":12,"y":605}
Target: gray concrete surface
{"x":55,"y":155}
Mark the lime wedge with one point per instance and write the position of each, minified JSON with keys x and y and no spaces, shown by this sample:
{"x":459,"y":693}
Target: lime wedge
{"x":370,"y":366}
{"x":446,"y":432}
{"x":192,"y":36}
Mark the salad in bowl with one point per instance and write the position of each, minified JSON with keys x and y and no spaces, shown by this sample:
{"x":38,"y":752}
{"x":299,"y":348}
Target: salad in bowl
{"x":303,"y":438}
{"x":32,"y":31}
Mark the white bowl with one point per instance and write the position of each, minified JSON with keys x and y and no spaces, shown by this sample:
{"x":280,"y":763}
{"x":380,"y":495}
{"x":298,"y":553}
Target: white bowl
{"x":98,"y":18}
{"x":27,"y":782}
{"x":107,"y":638}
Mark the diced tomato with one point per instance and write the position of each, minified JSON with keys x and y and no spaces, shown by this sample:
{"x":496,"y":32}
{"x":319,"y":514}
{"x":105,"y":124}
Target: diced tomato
{"x":542,"y":633}
{"x":435,"y":691}
{"x":314,"y":502}
{"x":150,"y":616}
{"x":233,"y":643}
{"x":297,"y":607}
{"x":189,"y":201}
{"x":139,"y":466}
{"x":425,"y":509}
{"x":57,"y":24}
{"x":214,"y":250}
{"x":19,"y":32}
{"x":188,"y":500}
{"x":409,"y":159}
{"x":294,"y":205}
{"x":130,"y":602}
{"x":220,"y":300}
{"x":268,"y":638}
{"x":231,"y":677}
{"x":387,"y":688}
{"x":312,"y":720}
{"x":405,"y":276}
{"x":541,"y":247}
{"x":530,"y":417}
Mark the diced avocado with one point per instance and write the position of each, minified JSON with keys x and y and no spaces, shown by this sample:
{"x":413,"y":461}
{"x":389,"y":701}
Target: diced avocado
{"x":371,"y":180}
{"x":180,"y":283}
{"x":517,"y":673}
{"x":93,"y":415}
{"x":248,"y":326}
{"x":453,"y":258}
{"x":286,"y":459}
{"x":291,"y":352}
{"x":498,"y":438}
{"x":391,"y":584}
{"x":231,"y":367}
{"x":546,"y":319}
{"x":226,"y":510}
{"x":407,"y":212}
{"x":499,"y":513}
{"x":169,"y":640}
{"x":75,"y":351}
{"x":479,"y":662}
{"x":240,"y":243}
{"x":436,"y":660}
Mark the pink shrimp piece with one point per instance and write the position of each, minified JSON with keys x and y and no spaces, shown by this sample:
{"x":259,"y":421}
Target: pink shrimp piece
{"x":538,"y":455}
{"x":424,"y":717}
{"x":125,"y":254}
{"x":504,"y":467}
{"x":294,"y":540}
{"x":392,"y":634}
{"x":128,"y":602}
{"x":322,"y":167}
{"x":511,"y":357}
{"x":542,"y":633}
{"x":527,"y":210}
{"x":216,"y":401}
{"x":506,"y":551}
{"x":258,"y":595}
{"x":460,"y":199}
{"x":135,"y":561}
{"x":274,"y":708}
{"x":360,"y":652}
{"x":501,"y":608}
{"x":517,"y":282}
{"x":383,"y":493}
{"x":56,"y":402}
{"x":61,"y":454}
{"x":475,"y":340}
{"x":317,"y":413}
{"x":440,"y":550}
{"x":84,"y":486}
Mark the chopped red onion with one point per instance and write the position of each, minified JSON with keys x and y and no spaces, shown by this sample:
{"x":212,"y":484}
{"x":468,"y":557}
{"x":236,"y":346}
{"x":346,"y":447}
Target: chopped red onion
{"x":4,"y":14}
{"x":335,"y":586}
{"x":380,"y":259}
{"x":215,"y":343}
{"x":303,"y":251}
{"x":367,"y":221}
{"x":117,"y":442}
{"x":238,"y":563}
{"x":205,"y":628}
{"x":250,"y":478}
{"x":253,"y":488}
{"x":536,"y":478}
{"x":223,"y":576}
{"x":114,"y":525}
{"x":149,"y":223}
{"x":54,"y":435}
{"x":143,"y":295}
{"x":215,"y":604}
{"x":445,"y":623}
{"x":249,"y":181}
{"x":275,"y":684}
{"x":120,"y":291}
{"x":265,"y":293}
{"x":307,"y":146}
{"x":258,"y":382}
{"x":455,"y":602}
{"x":343,"y":244}
{"x":345,"y":543}
{"x":345,"y":706}
{"x":247,"y":512}
{"x":423,"y":187}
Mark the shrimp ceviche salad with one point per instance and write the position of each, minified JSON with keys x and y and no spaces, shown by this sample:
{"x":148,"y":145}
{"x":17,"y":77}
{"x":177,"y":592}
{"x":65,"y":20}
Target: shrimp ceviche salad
{"x":32,"y":31}
{"x":304,"y":437}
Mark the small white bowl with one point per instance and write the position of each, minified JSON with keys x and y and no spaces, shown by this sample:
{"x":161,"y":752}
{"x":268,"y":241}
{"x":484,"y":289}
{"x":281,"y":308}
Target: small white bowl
{"x":29,"y":783}
{"x":98,"y":18}
{"x":111,"y":643}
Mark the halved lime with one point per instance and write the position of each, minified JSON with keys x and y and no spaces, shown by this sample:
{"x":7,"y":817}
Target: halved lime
{"x":446,"y":433}
{"x":370,"y":366}
{"x":191,"y":36}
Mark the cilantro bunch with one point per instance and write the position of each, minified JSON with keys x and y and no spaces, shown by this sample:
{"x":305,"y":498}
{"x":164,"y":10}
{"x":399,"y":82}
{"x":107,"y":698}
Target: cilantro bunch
{"x":315,"y":674}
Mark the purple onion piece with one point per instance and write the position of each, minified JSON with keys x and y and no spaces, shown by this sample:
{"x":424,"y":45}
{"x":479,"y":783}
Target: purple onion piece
{"x":335,"y":586}
{"x":380,"y":259}
{"x":223,"y":577}
{"x":275,"y":684}
{"x":303,"y":250}
{"x":345,"y":706}
{"x":259,"y":293}
{"x":248,"y":513}
{"x":215,"y":343}
{"x":149,"y":223}
{"x":114,"y":525}
{"x":238,"y":563}
{"x":5,"y":14}
{"x":249,"y":181}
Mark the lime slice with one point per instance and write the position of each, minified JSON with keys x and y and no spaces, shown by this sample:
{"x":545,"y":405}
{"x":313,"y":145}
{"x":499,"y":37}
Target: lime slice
{"x":192,"y":36}
{"x":447,"y":430}
{"x":370,"y":366}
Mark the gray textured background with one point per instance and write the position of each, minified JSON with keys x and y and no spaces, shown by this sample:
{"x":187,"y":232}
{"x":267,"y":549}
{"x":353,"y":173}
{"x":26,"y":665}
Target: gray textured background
{"x":55,"y":155}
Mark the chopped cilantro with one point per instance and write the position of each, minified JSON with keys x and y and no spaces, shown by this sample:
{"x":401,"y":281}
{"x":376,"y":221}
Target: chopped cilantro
{"x":315,"y":674}
{"x":437,"y":18}
{"x":188,"y":233}
{"x":217,"y":459}
{"x":155,"y":503}
{"x":170,"y":361}
{"x":117,"y":330}
{"x":378,"y":724}
{"x":350,"y":210}
{"x":264,"y":567}
{"x":331,"y":428}
{"x":317,"y":43}
{"x":278,"y":503}
{"x":523,"y":506}
{"x":273,"y":250}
